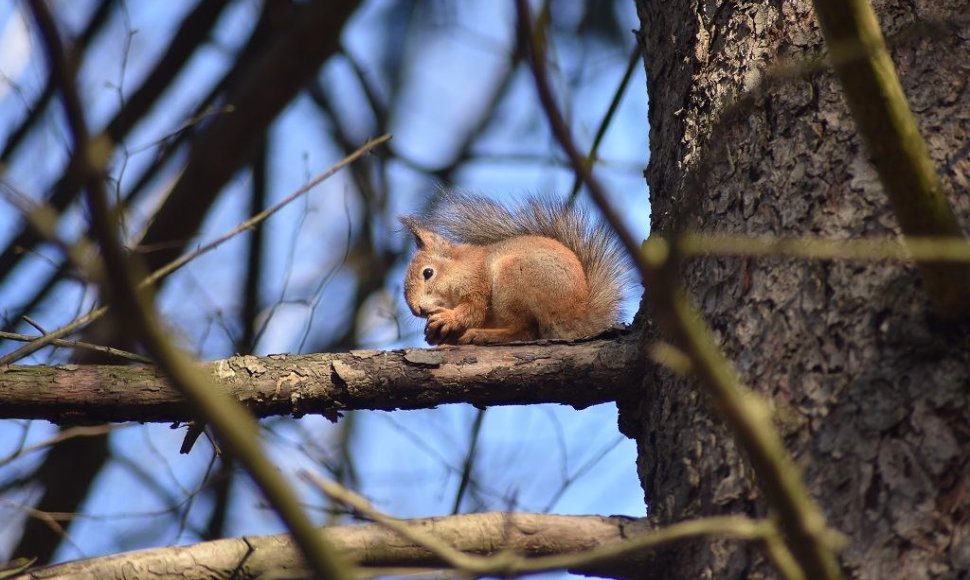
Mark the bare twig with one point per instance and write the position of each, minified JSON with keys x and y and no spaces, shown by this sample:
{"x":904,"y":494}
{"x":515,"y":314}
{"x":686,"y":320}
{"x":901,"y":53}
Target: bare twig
{"x":51,"y":519}
{"x":62,"y":435}
{"x":236,"y":427}
{"x":468,"y":464}
{"x":79,"y":344}
{"x":189,"y":256}
{"x":608,"y":116}
{"x":42,"y":218}
{"x":561,"y":131}
{"x":455,"y":558}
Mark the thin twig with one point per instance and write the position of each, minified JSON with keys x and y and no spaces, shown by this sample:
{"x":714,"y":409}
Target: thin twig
{"x":454,"y":558}
{"x":35,"y":324}
{"x":563,"y":135}
{"x":51,"y":520}
{"x":608,"y":117}
{"x":80,"y":345}
{"x":189,"y":256}
{"x":63,"y":435}
{"x":236,"y":427}
{"x":469,"y":463}
{"x":42,"y":218}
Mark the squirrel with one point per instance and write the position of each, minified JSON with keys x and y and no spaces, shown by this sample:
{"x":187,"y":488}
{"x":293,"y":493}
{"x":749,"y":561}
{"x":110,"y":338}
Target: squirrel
{"x":484,"y":273}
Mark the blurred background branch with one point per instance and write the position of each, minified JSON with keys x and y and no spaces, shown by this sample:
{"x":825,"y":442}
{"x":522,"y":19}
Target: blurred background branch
{"x":212,"y":111}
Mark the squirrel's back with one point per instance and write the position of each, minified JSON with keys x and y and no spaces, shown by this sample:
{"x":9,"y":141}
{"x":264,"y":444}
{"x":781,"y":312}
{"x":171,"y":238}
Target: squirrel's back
{"x":474,"y":219}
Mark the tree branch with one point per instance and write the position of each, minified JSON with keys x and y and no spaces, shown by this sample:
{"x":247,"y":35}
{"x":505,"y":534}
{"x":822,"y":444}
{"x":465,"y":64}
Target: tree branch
{"x":579,"y":374}
{"x":627,"y":558}
{"x":616,"y":546}
{"x":309,"y":37}
{"x":367,"y":545}
{"x":236,"y":428}
{"x":148,"y":281}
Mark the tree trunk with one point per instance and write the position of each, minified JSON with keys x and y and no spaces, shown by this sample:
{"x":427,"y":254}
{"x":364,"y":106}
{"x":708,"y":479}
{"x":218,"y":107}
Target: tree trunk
{"x":870,"y":390}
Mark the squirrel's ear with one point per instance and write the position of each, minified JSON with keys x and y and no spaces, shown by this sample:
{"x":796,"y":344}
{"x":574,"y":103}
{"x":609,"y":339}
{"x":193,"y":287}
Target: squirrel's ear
{"x":424,"y":237}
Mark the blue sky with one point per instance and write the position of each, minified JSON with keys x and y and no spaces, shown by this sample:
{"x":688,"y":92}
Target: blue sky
{"x":407,"y":461}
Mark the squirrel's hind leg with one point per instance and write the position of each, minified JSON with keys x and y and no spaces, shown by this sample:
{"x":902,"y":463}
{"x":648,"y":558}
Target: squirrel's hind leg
{"x":496,"y":335}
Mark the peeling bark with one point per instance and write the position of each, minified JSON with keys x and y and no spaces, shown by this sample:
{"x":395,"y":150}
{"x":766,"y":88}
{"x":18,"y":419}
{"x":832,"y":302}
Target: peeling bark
{"x":578,"y":373}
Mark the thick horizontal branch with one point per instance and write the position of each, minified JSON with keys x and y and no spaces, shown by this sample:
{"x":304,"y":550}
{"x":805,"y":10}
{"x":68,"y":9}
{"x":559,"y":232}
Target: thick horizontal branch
{"x":579,"y":374}
{"x":372,"y":546}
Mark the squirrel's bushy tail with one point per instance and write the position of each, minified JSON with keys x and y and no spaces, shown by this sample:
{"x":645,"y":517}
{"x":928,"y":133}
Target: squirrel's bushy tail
{"x":475,"y":219}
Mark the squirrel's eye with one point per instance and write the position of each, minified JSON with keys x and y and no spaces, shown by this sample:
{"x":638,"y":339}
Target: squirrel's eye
{"x":428,"y":273}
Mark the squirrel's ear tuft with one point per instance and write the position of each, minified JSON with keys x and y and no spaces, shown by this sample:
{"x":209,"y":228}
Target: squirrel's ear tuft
{"x":424,"y":237}
{"x":408,"y":221}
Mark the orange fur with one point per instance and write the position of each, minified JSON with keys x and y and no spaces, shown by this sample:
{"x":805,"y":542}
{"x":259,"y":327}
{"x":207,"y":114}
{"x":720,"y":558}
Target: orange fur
{"x":533,"y":277}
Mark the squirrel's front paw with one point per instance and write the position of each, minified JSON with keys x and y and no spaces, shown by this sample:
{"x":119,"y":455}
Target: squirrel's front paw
{"x":442,"y":327}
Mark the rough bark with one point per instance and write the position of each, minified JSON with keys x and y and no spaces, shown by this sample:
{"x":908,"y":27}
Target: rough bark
{"x":870,"y":391}
{"x":368,"y":545}
{"x":578,"y":374}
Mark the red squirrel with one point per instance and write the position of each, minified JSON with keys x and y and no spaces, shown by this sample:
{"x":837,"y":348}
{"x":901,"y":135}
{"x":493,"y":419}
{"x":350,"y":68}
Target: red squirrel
{"x":485,"y":273}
